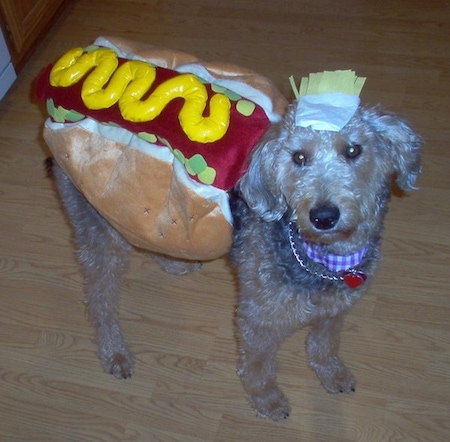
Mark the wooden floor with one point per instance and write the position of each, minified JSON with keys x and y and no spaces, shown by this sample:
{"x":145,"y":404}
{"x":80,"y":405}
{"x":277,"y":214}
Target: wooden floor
{"x":397,"y":340}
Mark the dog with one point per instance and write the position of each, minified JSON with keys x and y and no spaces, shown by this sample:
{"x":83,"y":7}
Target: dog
{"x":308,"y":217}
{"x":308,"y":199}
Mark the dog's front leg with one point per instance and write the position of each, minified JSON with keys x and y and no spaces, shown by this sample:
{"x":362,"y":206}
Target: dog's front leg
{"x":257,"y":369}
{"x":103,"y":254}
{"x":322,"y":346}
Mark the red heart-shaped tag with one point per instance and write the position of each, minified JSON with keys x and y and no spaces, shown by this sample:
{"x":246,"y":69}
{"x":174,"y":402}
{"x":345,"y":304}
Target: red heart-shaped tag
{"x":354,"y":279}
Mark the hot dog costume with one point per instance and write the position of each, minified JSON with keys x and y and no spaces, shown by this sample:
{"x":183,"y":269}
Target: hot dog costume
{"x":154,"y":139}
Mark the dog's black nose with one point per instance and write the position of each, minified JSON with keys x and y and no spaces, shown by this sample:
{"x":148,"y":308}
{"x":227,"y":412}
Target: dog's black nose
{"x":324,"y":217}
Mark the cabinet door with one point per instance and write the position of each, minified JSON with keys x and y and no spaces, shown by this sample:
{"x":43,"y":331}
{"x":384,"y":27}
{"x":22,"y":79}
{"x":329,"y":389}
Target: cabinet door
{"x":26,"y":19}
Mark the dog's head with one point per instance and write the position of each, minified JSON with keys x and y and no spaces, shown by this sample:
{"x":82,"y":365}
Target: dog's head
{"x":333,"y":185}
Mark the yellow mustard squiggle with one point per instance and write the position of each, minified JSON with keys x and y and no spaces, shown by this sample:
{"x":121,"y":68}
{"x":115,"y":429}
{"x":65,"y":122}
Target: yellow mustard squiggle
{"x":130,"y":82}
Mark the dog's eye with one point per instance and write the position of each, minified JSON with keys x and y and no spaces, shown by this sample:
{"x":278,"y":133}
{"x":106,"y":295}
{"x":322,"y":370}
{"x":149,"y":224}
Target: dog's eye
{"x":353,"y":151}
{"x":299,"y":158}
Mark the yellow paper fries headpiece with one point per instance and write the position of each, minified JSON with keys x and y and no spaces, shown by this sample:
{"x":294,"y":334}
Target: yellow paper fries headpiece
{"x":327,"y":100}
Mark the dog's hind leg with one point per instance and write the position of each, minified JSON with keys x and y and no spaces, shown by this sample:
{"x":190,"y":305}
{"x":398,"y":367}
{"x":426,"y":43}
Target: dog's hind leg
{"x":175,"y":266}
{"x":322,"y":347}
{"x":103,"y":254}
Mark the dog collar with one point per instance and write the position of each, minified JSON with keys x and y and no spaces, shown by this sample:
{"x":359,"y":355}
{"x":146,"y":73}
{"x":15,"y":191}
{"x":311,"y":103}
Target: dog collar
{"x":341,"y":267}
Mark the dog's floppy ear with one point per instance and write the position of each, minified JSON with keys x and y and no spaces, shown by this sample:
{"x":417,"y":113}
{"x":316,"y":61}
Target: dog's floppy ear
{"x":259,"y":186}
{"x":405,"y":146}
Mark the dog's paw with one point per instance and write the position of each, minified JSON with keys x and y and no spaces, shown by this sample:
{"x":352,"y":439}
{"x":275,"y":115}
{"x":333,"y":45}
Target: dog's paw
{"x":120,"y":365}
{"x":340,"y":383}
{"x":271,"y":403}
{"x":335,"y":377}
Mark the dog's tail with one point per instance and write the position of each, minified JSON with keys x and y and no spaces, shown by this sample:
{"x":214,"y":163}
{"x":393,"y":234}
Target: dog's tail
{"x":48,"y":164}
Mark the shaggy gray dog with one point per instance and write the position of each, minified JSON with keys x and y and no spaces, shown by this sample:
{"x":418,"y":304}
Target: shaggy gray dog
{"x":308,"y":218}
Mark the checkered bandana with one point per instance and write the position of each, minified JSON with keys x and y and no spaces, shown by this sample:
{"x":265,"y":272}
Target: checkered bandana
{"x":334,"y":263}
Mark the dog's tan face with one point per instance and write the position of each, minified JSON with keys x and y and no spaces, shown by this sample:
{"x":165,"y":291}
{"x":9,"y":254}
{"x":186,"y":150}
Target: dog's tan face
{"x":334,"y":185}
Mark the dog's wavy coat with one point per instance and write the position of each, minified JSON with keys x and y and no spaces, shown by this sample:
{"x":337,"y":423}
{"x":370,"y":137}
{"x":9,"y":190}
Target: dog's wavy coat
{"x":303,"y":188}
